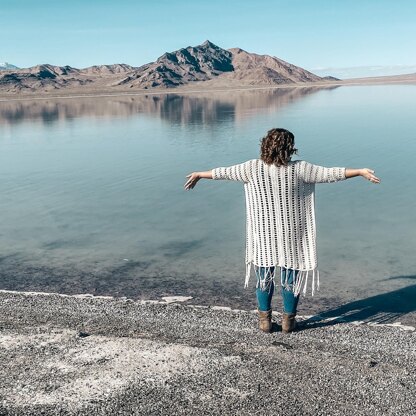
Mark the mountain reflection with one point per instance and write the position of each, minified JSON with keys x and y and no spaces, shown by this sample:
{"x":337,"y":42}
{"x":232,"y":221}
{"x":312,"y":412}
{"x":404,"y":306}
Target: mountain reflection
{"x":203,"y":109}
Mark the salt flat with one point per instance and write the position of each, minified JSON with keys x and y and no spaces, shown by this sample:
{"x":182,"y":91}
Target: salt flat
{"x":82,"y":355}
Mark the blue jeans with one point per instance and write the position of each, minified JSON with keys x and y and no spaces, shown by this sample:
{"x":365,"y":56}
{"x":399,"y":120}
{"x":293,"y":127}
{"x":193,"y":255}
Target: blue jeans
{"x":265,"y":294}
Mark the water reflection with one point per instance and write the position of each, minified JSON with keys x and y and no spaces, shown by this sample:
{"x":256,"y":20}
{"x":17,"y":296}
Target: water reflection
{"x":206,"y":108}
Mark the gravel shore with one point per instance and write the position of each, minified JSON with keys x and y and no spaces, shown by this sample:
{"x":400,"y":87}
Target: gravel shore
{"x":85,"y":355}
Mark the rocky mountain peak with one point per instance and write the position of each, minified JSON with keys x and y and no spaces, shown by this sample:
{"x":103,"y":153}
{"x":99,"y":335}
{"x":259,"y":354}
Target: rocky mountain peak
{"x":205,"y":62}
{"x":193,"y":63}
{"x":209,"y":44}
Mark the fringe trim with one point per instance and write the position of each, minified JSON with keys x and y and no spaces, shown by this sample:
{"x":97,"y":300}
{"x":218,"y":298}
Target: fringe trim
{"x":264,"y":282}
{"x":248,"y":269}
{"x":300,"y":280}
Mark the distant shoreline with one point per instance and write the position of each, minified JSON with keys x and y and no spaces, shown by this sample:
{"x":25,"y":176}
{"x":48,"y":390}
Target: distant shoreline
{"x":199,"y":88}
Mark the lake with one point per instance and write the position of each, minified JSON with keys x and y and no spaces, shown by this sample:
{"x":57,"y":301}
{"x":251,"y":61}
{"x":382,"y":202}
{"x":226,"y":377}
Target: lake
{"x":92,"y":197}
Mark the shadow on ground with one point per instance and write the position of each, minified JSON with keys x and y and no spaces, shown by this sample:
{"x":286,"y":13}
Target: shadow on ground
{"x":384,"y":308}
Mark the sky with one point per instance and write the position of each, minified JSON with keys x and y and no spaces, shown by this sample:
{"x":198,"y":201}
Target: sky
{"x":325,"y":36}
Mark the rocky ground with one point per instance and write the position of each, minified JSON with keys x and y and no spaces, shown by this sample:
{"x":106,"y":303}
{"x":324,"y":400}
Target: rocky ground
{"x":83,"y":355}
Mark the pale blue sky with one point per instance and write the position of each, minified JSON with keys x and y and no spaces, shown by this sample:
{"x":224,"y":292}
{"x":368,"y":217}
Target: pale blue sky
{"x":310,"y":33}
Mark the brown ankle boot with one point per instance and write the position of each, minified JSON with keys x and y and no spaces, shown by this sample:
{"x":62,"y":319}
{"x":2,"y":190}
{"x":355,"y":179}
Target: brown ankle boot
{"x":288,"y":322}
{"x":265,"y":320}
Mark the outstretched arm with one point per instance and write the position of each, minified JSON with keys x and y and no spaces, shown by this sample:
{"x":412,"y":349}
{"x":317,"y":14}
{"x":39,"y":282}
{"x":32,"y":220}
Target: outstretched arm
{"x":241,"y":173}
{"x":311,"y":173}
{"x":194,"y":177}
{"x":364,"y":172}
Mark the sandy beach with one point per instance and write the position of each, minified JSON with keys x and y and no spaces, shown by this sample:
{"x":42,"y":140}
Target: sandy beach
{"x":83,"y":355}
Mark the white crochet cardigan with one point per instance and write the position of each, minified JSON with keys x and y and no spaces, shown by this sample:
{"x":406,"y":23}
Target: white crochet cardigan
{"x":280,"y":209}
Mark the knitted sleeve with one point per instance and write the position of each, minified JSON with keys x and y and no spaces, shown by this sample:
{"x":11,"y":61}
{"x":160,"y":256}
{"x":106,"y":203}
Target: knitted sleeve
{"x":242,"y":172}
{"x":319,"y":174}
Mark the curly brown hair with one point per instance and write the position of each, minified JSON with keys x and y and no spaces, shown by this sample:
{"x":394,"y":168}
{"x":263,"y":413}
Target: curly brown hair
{"x":277,"y":147}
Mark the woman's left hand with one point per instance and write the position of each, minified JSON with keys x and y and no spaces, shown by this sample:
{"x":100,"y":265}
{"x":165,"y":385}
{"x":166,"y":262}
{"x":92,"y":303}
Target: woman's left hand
{"x":194,"y":177}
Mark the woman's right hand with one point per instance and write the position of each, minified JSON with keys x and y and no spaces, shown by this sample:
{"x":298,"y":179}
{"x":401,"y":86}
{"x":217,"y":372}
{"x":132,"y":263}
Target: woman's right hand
{"x":369,"y":175}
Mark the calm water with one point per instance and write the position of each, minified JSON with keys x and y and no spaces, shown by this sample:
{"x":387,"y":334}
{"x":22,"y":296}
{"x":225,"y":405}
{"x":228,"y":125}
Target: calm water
{"x":92,"y":198}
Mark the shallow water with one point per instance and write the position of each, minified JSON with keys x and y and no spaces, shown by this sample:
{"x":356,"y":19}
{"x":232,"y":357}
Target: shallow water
{"x":92,"y":196}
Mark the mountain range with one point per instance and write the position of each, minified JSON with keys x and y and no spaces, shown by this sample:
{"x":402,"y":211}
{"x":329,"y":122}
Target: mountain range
{"x":206,"y":63}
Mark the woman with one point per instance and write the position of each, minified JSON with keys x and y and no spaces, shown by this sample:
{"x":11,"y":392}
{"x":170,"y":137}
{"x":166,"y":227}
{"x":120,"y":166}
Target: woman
{"x":280,"y":221}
